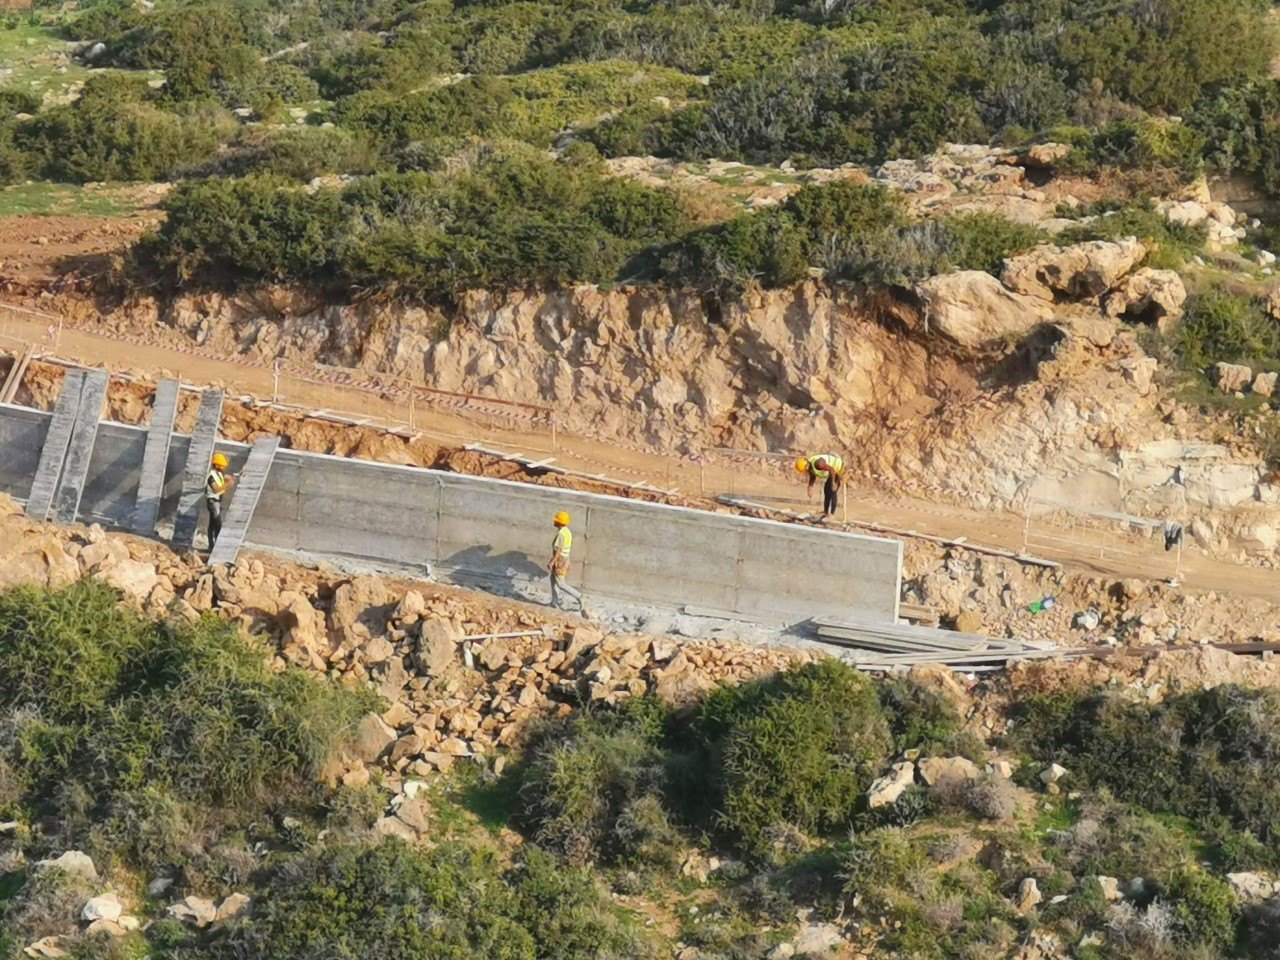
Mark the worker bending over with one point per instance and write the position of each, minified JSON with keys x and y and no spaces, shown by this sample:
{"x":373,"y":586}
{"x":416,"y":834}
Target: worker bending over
{"x":561,"y":547}
{"x":215,"y":485}
{"x":828,"y":468}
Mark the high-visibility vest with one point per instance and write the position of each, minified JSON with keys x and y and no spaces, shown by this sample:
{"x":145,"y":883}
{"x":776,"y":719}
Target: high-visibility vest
{"x":834,"y":462}
{"x":563,"y":543}
{"x":215,"y":484}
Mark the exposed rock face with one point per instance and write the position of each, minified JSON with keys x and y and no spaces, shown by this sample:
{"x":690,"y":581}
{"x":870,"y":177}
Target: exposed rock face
{"x":891,"y":786}
{"x":1080,"y":272}
{"x":974,"y":309}
{"x":1149,"y":296}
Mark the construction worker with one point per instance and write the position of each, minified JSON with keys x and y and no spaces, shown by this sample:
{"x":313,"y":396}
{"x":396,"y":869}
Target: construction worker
{"x":828,"y":468}
{"x":561,"y":547}
{"x":215,"y":485}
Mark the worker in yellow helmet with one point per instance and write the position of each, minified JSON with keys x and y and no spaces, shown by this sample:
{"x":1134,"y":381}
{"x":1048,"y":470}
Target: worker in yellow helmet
{"x":561,"y":547}
{"x":215,"y":485}
{"x":828,"y":468}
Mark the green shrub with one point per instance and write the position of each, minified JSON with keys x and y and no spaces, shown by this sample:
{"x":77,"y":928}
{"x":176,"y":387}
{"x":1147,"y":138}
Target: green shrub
{"x":1147,"y":144}
{"x":1202,"y":755}
{"x":1218,"y":325}
{"x":1204,"y":909}
{"x":128,"y":728}
{"x":449,"y":901}
{"x":112,"y":133}
{"x":593,"y":788}
{"x":258,"y":228}
{"x":919,"y":718}
{"x":797,"y":750}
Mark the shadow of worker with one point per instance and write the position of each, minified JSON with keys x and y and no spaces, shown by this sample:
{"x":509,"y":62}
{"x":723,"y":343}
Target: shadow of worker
{"x":511,"y":574}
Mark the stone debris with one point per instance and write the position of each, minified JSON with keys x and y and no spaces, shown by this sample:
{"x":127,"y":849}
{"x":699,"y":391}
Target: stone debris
{"x":196,"y":911}
{"x":72,"y":862}
{"x":106,"y":906}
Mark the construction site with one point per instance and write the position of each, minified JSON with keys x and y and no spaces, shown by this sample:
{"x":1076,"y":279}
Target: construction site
{"x":1030,"y":512}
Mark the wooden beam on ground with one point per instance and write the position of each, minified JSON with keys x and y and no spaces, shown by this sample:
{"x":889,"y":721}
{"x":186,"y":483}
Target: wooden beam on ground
{"x":16,"y":373}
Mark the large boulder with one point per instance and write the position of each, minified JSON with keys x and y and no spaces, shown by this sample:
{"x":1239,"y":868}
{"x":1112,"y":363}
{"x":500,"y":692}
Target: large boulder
{"x":1083,"y":271}
{"x":34,"y":557}
{"x":1149,"y":296}
{"x":975,"y":309}
{"x":437,"y":648}
{"x":373,"y":738}
{"x":1232,"y":377}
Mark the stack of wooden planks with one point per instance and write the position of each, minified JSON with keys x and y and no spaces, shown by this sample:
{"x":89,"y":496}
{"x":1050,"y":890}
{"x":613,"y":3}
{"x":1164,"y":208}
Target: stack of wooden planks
{"x":883,"y":646}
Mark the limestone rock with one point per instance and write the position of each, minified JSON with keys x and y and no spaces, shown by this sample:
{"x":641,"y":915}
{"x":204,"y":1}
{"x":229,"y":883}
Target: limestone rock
{"x":1264,"y":384}
{"x":73,"y":862}
{"x":437,"y":648}
{"x":818,"y":939}
{"x":891,"y":786}
{"x":353,"y":600}
{"x":1110,"y":888}
{"x":1083,"y":271}
{"x":411,"y":607}
{"x":233,"y":906}
{"x":373,"y":738}
{"x":1149,"y":296}
{"x":934,"y":770}
{"x":35,"y":557}
{"x":1140,"y":371}
{"x":1232,"y":377}
{"x":47,"y":947}
{"x":1052,"y":774}
{"x":1044,"y":155}
{"x":1252,"y":887}
{"x":974,"y":309}
{"x":969,"y":621}
{"x":1029,"y":895}
{"x":106,"y":906}
{"x":196,"y":911}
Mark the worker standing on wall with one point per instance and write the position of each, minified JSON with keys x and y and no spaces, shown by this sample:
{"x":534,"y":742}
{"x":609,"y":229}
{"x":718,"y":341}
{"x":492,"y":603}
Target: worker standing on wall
{"x":828,"y":468}
{"x":561,"y":547}
{"x":215,"y":485}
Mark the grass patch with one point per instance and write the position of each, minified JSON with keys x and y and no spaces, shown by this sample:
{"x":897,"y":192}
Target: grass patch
{"x":63,"y":199}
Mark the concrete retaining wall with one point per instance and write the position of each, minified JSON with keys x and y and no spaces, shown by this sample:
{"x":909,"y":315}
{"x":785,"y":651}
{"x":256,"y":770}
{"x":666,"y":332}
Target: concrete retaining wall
{"x":501,"y":531}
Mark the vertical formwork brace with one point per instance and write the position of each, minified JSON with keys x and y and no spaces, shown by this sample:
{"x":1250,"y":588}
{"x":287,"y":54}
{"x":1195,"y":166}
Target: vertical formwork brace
{"x":54,"y":452}
{"x":244,"y":499}
{"x":199,"y":453}
{"x":155,"y":458}
{"x":93,"y":398}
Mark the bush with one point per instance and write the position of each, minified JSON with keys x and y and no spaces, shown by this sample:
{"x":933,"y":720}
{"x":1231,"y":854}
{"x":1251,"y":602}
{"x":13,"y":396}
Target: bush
{"x":449,"y":901}
{"x":112,"y":133}
{"x":1218,"y":325}
{"x":1204,"y":910}
{"x":1202,"y":755}
{"x":593,"y":788}
{"x":127,"y":727}
{"x":799,"y":750}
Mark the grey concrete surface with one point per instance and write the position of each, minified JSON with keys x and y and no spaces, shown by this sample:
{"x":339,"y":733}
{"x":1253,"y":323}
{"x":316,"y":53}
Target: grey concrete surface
{"x":499,"y":533}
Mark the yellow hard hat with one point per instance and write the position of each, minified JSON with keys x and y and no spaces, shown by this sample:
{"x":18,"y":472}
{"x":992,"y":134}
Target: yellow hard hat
{"x":802,"y":465}
{"x":220,"y":461}
{"x":561,"y":519}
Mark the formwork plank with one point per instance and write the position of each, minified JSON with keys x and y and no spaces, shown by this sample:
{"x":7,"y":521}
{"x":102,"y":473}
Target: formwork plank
{"x":16,"y":373}
{"x":199,"y":453}
{"x":155,"y":458}
{"x":54,"y":452}
{"x":93,"y":398}
{"x":244,"y":500}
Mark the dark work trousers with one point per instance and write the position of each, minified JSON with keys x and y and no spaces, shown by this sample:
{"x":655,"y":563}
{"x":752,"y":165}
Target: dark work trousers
{"x":215,"y":520}
{"x":829,"y":496}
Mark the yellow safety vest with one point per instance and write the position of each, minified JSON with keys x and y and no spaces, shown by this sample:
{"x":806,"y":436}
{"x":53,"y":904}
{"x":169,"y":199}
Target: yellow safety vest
{"x":215,"y":485}
{"x":563,"y":543}
{"x":836,"y":464}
